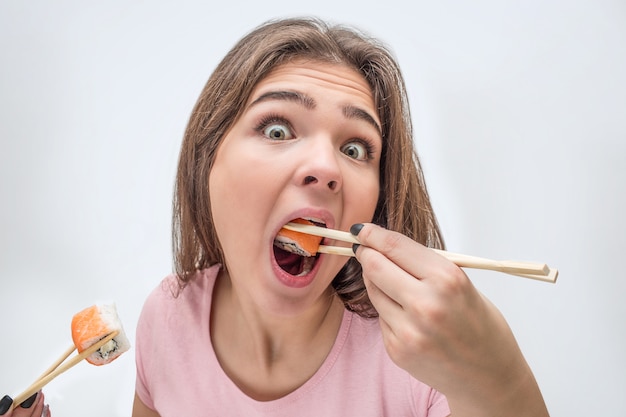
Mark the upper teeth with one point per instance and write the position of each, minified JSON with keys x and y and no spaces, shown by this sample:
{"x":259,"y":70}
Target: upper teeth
{"x":318,"y":222}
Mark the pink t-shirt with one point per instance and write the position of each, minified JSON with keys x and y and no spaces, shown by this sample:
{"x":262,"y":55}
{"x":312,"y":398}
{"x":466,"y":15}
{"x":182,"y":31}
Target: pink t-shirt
{"x":178,"y":373}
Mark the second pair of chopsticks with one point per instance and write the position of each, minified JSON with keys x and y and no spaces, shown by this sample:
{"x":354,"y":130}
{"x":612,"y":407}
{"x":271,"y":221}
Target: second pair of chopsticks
{"x":532,"y":270}
{"x":58,"y":367}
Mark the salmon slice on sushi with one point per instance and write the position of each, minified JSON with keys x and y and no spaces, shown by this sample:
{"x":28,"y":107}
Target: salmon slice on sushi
{"x":94,"y":324}
{"x":302,"y":244}
{"x":296,"y":252}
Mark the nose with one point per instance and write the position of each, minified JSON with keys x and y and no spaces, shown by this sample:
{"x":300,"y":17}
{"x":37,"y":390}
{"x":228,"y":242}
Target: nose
{"x":320,"y":169}
{"x":310,"y":179}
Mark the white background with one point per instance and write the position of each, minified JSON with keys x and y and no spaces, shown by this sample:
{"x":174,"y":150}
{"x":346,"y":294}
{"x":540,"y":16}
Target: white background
{"x":520,"y":116}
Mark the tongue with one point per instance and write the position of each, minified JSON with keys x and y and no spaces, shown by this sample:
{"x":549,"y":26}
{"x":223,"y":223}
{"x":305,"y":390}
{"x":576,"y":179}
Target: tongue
{"x":288,"y":261}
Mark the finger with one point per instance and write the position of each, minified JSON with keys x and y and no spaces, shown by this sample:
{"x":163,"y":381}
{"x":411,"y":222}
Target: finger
{"x":387,"y":333}
{"x":37,"y":409}
{"x":27,"y":403}
{"x":413,"y":257}
{"x":402,"y":332}
{"x":386,"y":276}
{"x":5,"y":405}
{"x":385,"y":305}
{"x":31,"y":407}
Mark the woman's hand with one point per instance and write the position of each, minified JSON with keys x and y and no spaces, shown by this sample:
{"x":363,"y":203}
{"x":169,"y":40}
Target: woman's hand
{"x":32,"y":407}
{"x":438,"y":327}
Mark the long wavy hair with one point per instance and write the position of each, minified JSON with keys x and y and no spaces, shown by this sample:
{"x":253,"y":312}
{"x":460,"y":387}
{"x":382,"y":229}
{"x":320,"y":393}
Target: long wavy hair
{"x":403,"y":204}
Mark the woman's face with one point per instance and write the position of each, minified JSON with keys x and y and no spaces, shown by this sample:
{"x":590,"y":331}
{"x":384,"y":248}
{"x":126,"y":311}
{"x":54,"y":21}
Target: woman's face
{"x":307,"y":145}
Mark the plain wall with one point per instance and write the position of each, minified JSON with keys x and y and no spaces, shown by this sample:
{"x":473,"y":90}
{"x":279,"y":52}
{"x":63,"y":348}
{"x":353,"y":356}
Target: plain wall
{"x":520,"y":121}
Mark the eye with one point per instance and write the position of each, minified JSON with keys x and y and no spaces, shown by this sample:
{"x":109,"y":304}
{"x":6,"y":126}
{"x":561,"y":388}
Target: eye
{"x":277,"y":131}
{"x":357,"y":149}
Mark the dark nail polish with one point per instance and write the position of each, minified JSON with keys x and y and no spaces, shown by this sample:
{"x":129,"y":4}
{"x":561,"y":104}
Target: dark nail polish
{"x":5,"y":404}
{"x":355,"y":246}
{"x":356,"y":228}
{"x":27,"y":403}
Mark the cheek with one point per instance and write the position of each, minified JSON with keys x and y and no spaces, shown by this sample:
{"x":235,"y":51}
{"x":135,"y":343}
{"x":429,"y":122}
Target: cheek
{"x":227,"y":187}
{"x":231,"y":178}
{"x":228,"y":194}
{"x":364,"y":196}
{"x":242,"y":191}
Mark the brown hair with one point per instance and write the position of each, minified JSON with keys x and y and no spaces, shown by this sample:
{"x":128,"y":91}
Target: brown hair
{"x":403,"y":205}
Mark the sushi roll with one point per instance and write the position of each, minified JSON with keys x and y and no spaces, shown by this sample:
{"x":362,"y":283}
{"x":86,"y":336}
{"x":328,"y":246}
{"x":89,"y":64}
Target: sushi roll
{"x":299,"y":243}
{"x":95,"y":323}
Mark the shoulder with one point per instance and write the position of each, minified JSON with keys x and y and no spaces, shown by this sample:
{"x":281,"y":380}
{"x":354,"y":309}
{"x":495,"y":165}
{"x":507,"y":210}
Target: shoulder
{"x":365,"y":354}
{"x":170,"y":299}
{"x":172,"y":334}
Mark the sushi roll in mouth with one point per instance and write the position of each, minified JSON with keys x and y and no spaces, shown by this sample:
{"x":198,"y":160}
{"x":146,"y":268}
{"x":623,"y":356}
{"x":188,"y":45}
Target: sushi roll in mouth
{"x":296,"y":252}
{"x":94,"y":324}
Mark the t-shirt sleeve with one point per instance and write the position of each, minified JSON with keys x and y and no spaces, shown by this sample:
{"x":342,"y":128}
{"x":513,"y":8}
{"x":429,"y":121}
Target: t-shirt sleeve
{"x":427,"y":398}
{"x":438,"y":405}
{"x":144,"y":342}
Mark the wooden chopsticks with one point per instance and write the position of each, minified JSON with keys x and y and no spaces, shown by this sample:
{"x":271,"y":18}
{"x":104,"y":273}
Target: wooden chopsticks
{"x":57,"y":369}
{"x":532,"y":270}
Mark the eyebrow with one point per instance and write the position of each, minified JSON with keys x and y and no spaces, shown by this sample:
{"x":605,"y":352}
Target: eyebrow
{"x":294,"y":96}
{"x":352,"y":112}
{"x":349,"y":111}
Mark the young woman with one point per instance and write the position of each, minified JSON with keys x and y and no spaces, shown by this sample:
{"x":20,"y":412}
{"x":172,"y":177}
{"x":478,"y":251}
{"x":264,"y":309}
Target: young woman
{"x":304,"y":120}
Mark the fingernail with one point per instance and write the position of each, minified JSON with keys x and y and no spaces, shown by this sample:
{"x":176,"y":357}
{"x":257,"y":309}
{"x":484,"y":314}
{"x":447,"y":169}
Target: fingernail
{"x":27,"y":403}
{"x":356,"y":228}
{"x":355,"y":246}
{"x":5,"y":404}
{"x":46,"y":411}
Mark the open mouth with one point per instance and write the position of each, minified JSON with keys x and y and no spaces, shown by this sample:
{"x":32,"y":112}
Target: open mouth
{"x":296,"y":253}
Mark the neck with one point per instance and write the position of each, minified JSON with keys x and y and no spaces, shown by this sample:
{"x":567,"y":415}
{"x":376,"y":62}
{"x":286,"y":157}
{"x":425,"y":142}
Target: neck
{"x":269,"y":354}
